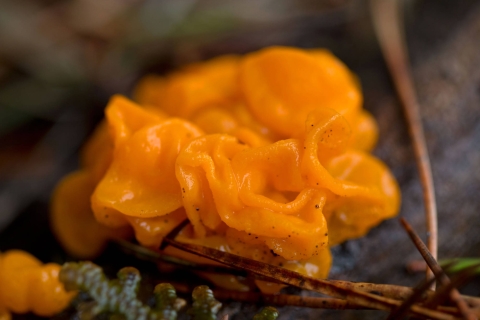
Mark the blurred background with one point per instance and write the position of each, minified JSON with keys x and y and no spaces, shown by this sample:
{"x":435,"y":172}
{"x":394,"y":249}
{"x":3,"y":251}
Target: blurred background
{"x":60,"y":61}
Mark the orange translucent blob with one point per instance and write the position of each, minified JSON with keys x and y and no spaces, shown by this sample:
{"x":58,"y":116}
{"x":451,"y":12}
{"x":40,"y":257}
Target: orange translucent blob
{"x":16,"y":269}
{"x":204,"y":172}
{"x":328,"y":135}
{"x":125,"y":117}
{"x":363,"y":190}
{"x":283,"y":85}
{"x":151,"y":231}
{"x":237,"y":179}
{"x":293,"y":222}
{"x":47,"y":294}
{"x":215,"y":120}
{"x":195,"y":87}
{"x":71,"y":217}
{"x":268,"y":161}
{"x":234,"y":120}
{"x":29,"y":286}
{"x":353,"y":216}
{"x":141,"y":180}
{"x":365,"y":132}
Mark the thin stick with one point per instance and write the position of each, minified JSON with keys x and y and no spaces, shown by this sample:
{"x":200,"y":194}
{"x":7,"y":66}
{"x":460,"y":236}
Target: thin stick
{"x":392,"y":41}
{"x":298,"y":280}
{"x":174,"y":232}
{"x":396,"y":292}
{"x":439,"y":274}
{"x":387,"y":290}
{"x":445,"y":291}
{"x":150,"y":255}
{"x":279,"y":300}
{"x":401,"y":311}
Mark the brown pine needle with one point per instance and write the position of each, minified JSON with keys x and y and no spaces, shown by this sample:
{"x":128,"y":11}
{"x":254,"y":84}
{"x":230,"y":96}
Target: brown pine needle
{"x":439,"y":274}
{"x":173,"y":234}
{"x":298,"y":280}
{"x":396,"y":292}
{"x":386,"y":290}
{"x":155,"y":256}
{"x":417,"y":294}
{"x":279,"y":300}
{"x":388,"y":27}
{"x":445,"y":291}
{"x":291,"y":300}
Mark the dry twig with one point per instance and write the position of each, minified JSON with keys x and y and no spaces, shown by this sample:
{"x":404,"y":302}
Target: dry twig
{"x":444,"y":292}
{"x":155,"y":256}
{"x":437,"y":270}
{"x":387,"y":23}
{"x":386,"y":290}
{"x":298,"y":280}
{"x":401,"y":311}
{"x":174,"y":232}
{"x":280,"y":300}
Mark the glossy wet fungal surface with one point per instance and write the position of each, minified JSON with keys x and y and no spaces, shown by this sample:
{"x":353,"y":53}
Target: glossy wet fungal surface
{"x":279,"y":177}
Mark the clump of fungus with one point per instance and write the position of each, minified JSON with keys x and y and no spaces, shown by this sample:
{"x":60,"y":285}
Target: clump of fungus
{"x":266,"y":155}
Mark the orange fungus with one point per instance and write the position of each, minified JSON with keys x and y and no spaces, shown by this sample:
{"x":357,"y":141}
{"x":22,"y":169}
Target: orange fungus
{"x":266,"y":155}
{"x":30,"y":286}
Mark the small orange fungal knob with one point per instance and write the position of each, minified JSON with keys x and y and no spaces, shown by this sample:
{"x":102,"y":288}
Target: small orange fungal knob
{"x":30,"y":286}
